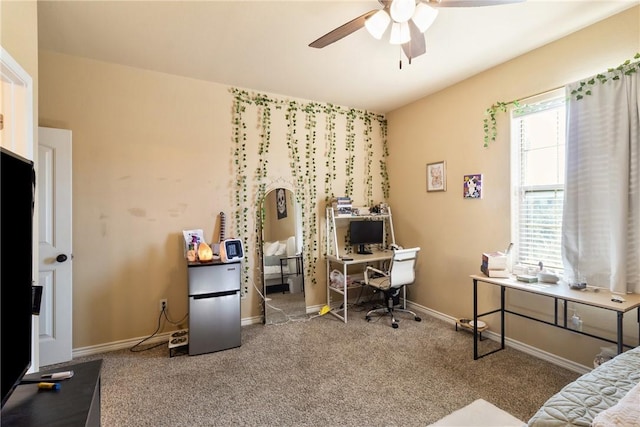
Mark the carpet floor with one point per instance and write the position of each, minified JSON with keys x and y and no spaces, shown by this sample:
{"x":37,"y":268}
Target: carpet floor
{"x":324,"y":372}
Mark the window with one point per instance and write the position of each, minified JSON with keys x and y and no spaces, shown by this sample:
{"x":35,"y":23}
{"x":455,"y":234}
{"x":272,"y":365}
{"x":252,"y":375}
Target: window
{"x":538,"y":147}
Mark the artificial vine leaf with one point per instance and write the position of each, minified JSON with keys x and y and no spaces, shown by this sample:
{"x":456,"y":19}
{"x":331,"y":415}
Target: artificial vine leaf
{"x":626,"y":68}
{"x":303,"y":172}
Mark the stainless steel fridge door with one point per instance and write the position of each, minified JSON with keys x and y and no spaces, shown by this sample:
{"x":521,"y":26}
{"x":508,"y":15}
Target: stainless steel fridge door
{"x":214,"y":322}
{"x":216,"y":277}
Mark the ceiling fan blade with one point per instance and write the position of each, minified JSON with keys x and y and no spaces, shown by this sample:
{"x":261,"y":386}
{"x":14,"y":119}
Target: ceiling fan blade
{"x":417,"y":45}
{"x":470,"y":3}
{"x":342,"y":31}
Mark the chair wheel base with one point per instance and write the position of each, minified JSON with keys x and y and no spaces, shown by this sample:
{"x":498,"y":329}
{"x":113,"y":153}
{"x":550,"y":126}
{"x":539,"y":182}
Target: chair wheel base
{"x":387,"y":312}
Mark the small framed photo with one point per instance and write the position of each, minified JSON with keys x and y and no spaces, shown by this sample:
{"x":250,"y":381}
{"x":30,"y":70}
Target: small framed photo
{"x":472,"y":187}
{"x":436,"y":176}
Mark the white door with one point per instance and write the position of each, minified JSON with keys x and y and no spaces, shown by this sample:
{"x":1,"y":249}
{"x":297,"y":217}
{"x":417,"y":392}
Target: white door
{"x":53,"y":182}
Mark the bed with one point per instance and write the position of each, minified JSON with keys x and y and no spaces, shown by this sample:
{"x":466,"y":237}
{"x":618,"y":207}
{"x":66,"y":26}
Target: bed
{"x":609,"y":395}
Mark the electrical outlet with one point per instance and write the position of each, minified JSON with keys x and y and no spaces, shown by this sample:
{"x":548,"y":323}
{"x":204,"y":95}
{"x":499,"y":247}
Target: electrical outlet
{"x":577,"y":323}
{"x":163,"y":304}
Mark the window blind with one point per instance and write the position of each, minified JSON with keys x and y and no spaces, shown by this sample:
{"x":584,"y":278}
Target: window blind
{"x":540,"y":135}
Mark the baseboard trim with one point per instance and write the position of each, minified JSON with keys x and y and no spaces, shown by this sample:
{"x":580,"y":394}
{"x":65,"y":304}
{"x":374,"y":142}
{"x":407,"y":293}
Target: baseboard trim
{"x":251,"y":320}
{"x":520,"y":346}
{"x":314,"y":309}
{"x":509,"y":342}
{"x":120,"y":345}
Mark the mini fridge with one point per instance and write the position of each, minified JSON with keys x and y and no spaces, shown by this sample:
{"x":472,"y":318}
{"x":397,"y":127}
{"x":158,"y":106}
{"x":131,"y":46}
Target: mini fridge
{"x":214,"y":306}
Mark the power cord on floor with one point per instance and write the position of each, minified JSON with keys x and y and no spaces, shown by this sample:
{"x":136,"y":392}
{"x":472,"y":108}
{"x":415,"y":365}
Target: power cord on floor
{"x":163,"y":314}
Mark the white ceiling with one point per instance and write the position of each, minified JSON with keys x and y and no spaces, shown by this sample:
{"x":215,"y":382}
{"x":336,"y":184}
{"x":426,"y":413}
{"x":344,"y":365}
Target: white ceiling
{"x":263,"y":45}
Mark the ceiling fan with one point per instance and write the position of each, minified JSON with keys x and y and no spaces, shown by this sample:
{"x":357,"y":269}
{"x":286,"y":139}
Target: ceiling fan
{"x":409,"y":19}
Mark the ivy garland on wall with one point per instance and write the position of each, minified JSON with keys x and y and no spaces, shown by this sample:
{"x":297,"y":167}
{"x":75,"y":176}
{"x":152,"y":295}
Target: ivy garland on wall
{"x":368,"y":160}
{"x":264,"y":112}
{"x":303,"y":172}
{"x":386,"y":187}
{"x":330,"y":154}
{"x":584,"y":89}
{"x":350,"y":147}
{"x":310,"y":189}
{"x":240,"y":163}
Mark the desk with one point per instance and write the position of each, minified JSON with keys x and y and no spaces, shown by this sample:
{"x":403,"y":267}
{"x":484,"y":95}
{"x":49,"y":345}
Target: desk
{"x":559,"y":292}
{"x":77,"y":403}
{"x":377,"y":257}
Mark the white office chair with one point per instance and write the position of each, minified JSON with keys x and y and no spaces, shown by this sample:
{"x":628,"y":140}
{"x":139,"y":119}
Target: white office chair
{"x":401,"y":273}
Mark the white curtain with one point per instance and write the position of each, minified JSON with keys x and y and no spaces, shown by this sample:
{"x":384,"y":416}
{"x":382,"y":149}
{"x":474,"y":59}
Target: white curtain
{"x":601,"y":216}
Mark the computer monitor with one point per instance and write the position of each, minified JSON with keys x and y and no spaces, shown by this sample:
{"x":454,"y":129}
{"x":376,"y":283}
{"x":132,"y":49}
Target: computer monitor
{"x":363,"y":233}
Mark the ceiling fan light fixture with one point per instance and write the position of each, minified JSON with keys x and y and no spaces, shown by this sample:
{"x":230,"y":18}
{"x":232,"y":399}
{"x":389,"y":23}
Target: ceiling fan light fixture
{"x":402,"y":10}
{"x":400,"y":33}
{"x":424,"y":16}
{"x":377,"y":24}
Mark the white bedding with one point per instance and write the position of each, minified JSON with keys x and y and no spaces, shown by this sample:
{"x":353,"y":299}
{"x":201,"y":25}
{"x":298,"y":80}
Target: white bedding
{"x":273,"y":252}
{"x":579,"y":402}
{"x":625,"y":413}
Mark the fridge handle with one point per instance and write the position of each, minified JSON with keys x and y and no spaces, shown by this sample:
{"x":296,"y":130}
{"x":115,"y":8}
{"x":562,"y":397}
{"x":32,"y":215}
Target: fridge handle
{"x":214,"y":294}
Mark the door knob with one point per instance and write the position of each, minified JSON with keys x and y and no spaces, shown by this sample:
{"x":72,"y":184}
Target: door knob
{"x":61,"y":258}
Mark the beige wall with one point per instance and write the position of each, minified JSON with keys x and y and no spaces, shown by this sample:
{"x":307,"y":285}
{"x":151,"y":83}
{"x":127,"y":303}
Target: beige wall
{"x":150,"y":158}
{"x":279,"y":229}
{"x":19,"y":35}
{"x":452,"y":231}
{"x":153,"y":155}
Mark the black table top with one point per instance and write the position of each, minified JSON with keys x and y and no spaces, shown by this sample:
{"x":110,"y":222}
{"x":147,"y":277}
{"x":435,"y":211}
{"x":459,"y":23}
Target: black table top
{"x":69,"y":406}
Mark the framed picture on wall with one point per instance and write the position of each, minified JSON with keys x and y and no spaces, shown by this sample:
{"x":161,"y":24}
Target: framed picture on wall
{"x":472,"y":187}
{"x":281,"y":202}
{"x":436,"y":176}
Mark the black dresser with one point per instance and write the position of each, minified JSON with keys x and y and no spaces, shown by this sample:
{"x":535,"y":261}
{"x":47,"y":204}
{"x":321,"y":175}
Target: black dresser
{"x":77,"y":403}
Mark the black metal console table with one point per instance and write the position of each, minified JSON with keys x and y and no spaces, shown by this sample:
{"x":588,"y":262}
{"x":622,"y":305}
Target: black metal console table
{"x":559,"y":292}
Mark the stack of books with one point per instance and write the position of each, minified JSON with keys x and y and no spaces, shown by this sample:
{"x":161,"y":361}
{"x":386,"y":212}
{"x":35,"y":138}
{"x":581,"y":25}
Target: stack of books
{"x":342,"y":205}
{"x":494,"y":264}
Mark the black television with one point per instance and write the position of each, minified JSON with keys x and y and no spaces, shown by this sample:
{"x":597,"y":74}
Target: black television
{"x":363,"y":233}
{"x":17,"y":195}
